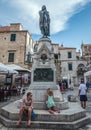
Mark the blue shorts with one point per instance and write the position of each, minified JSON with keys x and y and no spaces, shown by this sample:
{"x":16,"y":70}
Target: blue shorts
{"x":83,"y":98}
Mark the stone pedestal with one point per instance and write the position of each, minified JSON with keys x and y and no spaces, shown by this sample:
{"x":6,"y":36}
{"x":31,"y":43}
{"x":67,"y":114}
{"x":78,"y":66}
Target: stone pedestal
{"x":43,"y":75}
{"x":71,"y":117}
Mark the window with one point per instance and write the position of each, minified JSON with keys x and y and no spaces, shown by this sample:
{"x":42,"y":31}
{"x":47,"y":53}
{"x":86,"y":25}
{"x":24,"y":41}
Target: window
{"x":69,"y":55}
{"x":11,"y":57}
{"x":13,"y":37}
{"x":69,"y":66}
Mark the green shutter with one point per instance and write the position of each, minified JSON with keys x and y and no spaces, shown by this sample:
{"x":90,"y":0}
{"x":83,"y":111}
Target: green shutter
{"x":13,"y":37}
{"x":69,"y":55}
{"x":70,"y":66}
{"x":11,"y":57}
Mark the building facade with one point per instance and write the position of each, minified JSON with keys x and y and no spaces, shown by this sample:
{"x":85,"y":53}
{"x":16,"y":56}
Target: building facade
{"x":86,"y":53}
{"x":16,"y":45}
{"x":71,"y":65}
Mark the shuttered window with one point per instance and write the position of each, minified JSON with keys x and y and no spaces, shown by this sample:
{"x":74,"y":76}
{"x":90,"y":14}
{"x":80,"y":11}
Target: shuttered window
{"x":11,"y":57}
{"x":13,"y":37}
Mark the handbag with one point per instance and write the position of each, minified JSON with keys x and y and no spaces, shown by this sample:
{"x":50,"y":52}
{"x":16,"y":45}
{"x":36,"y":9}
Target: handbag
{"x":33,"y":115}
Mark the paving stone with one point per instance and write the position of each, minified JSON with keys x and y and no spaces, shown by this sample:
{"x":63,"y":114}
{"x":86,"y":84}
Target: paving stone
{"x":89,"y":129}
{"x":4,"y":128}
{"x":1,"y":125}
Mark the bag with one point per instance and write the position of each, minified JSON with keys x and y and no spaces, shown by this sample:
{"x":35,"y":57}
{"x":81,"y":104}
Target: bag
{"x":33,"y":115}
{"x":72,"y":98}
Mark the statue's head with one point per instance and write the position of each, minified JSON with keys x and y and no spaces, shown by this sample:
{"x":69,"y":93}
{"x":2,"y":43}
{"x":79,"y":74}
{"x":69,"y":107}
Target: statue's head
{"x":43,"y":7}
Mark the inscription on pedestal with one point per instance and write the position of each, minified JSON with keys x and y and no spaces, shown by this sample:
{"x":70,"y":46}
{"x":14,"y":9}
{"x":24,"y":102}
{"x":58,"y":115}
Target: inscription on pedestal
{"x":43,"y":75}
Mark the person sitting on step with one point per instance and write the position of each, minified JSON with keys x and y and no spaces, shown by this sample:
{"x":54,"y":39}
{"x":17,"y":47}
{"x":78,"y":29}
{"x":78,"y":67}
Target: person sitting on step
{"x":50,"y":102}
{"x":27,"y":106}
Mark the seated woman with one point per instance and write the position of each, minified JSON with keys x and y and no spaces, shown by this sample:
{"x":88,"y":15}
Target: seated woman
{"x":50,"y":102}
{"x":27,"y":106}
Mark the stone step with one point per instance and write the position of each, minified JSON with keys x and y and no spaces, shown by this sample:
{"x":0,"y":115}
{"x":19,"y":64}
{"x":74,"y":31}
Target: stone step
{"x":72,"y":114}
{"x":42,"y":105}
{"x":40,"y":95}
{"x":69,"y":119}
{"x":47,"y":124}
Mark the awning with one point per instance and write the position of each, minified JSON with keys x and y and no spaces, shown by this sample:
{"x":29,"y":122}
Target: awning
{"x":4,"y":69}
{"x":18,"y":68}
{"x":88,"y":73}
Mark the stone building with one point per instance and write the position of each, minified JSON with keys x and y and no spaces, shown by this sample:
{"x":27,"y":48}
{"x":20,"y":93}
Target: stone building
{"x":57,"y":61}
{"x":86,"y":53}
{"x":69,"y":64}
{"x":16,"y":45}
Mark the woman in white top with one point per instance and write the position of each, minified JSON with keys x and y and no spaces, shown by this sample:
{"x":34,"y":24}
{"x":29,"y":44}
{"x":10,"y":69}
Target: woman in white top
{"x":83,"y":94}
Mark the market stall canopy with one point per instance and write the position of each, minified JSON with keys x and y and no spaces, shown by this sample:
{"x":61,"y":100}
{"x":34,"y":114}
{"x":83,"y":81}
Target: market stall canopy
{"x":18,"y":68}
{"x":4,"y":69}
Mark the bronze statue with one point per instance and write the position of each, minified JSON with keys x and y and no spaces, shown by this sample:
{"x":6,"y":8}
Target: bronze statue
{"x":44,"y":22}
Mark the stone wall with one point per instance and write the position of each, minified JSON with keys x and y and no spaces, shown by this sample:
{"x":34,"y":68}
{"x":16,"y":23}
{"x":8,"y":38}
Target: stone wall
{"x":19,"y":47}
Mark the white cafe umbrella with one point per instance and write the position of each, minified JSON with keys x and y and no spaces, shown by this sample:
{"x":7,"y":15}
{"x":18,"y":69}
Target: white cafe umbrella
{"x":12,"y":71}
{"x":2,"y":68}
{"x":5,"y":69}
{"x":18,"y":68}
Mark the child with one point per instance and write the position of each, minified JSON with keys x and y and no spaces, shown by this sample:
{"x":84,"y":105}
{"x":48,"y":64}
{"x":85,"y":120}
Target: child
{"x":50,"y":102}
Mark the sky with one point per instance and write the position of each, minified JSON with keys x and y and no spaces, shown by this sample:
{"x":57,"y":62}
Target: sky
{"x":70,"y":19}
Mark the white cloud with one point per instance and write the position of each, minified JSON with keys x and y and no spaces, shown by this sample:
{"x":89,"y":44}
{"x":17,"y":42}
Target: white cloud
{"x":60,"y":11}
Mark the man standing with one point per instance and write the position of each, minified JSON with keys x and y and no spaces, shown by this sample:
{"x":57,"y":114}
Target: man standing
{"x":83,"y":94}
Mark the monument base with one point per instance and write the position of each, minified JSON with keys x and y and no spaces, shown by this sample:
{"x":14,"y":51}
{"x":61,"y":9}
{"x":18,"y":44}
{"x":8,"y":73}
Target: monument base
{"x":39,"y":96}
{"x":69,"y":119}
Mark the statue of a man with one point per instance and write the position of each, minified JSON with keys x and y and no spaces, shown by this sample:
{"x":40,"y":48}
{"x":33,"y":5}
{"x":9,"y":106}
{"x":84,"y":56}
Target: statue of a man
{"x":44,"y":21}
